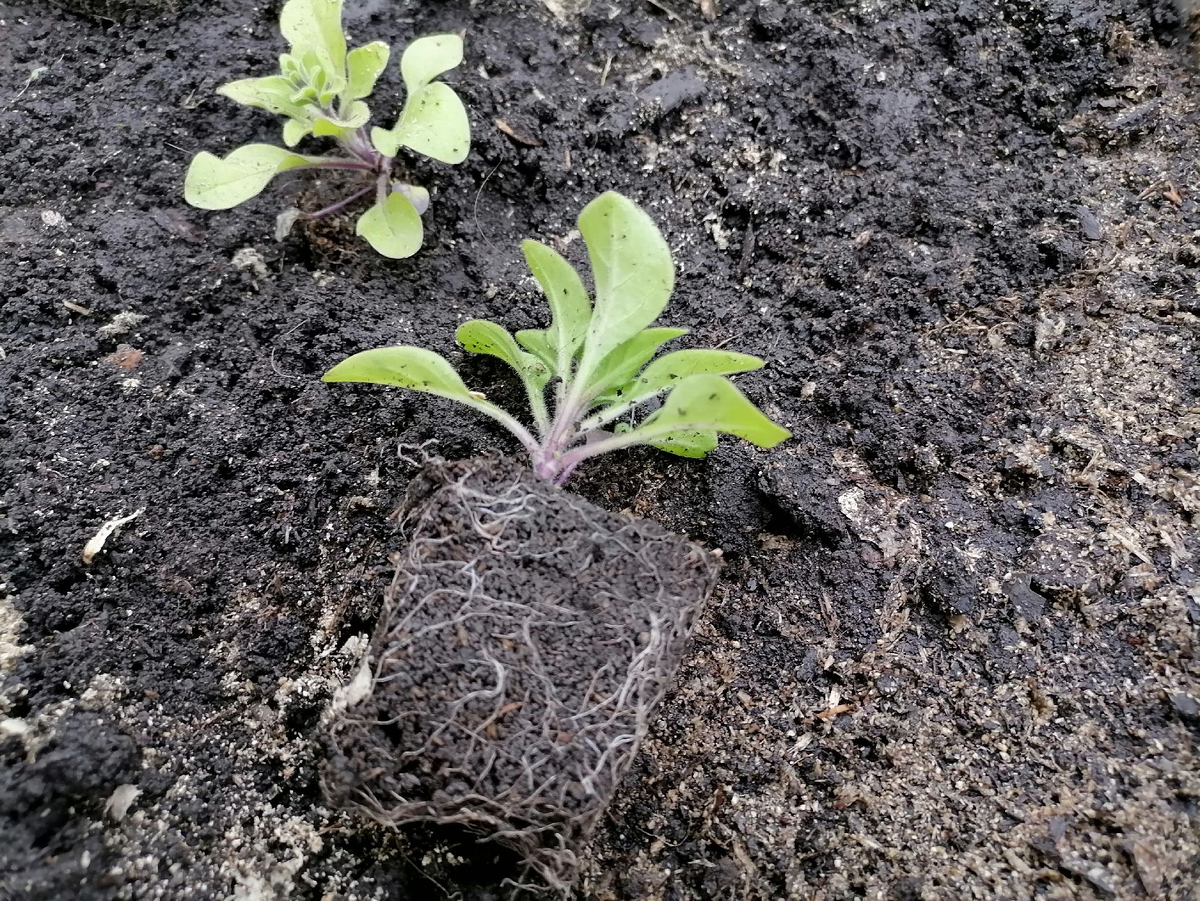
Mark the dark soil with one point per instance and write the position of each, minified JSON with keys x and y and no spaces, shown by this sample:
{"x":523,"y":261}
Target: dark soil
{"x":953,"y":653}
{"x":524,"y":647}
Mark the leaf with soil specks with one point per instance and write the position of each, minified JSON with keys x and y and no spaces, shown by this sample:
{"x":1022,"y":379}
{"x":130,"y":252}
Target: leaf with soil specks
{"x":313,"y":28}
{"x":428,"y":57}
{"x":434,"y":123}
{"x":633,"y":272}
{"x":710,"y":403}
{"x":624,"y":362}
{"x":570,"y":306}
{"x":667,"y":371}
{"x":482,"y":337}
{"x":393,"y":227}
{"x":364,"y":66}
{"x":403,"y":367}
{"x":213,"y":183}
{"x":683,"y":444}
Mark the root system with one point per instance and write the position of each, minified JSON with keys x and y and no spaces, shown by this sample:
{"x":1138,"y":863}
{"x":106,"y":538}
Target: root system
{"x":527,"y":638}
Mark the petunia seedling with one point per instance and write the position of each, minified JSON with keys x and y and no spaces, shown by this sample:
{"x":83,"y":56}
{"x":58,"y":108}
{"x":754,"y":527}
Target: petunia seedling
{"x":320,"y":92}
{"x":598,"y":356}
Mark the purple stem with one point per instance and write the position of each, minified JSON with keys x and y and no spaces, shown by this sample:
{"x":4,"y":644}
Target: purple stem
{"x":352,"y":165}
{"x":340,"y":205}
{"x":562,"y":477}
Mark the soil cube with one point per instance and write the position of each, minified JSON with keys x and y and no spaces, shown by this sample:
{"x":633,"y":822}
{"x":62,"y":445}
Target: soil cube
{"x":525,"y":642}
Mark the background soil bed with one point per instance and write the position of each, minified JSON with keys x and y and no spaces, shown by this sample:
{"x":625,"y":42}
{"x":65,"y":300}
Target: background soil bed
{"x":951,"y":649}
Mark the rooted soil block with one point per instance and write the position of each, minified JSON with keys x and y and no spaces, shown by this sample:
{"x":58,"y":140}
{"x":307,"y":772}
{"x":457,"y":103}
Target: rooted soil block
{"x":527,"y":638}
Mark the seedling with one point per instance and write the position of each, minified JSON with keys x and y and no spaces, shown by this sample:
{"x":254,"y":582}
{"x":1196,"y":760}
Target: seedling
{"x":600,"y":358}
{"x":320,"y":91}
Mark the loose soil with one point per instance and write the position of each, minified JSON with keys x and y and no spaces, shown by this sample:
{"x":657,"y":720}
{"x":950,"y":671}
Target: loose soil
{"x":953,"y":650}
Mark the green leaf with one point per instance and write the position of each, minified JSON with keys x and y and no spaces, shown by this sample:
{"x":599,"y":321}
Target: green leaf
{"x":482,"y":337}
{"x":393,"y":227}
{"x":428,"y":57}
{"x":403,"y":367}
{"x":622,"y":364}
{"x":213,"y":183}
{"x":294,"y":130}
{"x":706,"y":402}
{"x":632,"y":270}
{"x":570,"y":307}
{"x":364,"y":65}
{"x":313,"y":28}
{"x":686,"y":444}
{"x":433,"y":122}
{"x":669,"y":369}
{"x":273,"y":93}
{"x":421,"y":370}
{"x":682,"y":444}
{"x":537,"y":342}
{"x":356,"y":115}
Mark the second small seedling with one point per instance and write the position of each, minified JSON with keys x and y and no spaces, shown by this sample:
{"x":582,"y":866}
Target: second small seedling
{"x":320,"y":91}
{"x":601,"y":357}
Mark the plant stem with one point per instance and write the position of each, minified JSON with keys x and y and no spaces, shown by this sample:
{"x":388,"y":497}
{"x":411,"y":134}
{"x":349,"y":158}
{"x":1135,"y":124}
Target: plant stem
{"x":572,"y":458}
{"x":351,"y":165}
{"x":340,"y":205}
{"x":527,"y":440}
{"x":537,"y":404}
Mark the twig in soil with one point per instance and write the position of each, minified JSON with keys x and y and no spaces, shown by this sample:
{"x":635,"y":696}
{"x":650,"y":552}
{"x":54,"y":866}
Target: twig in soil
{"x":96,"y":543}
{"x":670,"y":13}
{"x":275,"y":368}
{"x":475,"y":209}
{"x":1164,"y":188}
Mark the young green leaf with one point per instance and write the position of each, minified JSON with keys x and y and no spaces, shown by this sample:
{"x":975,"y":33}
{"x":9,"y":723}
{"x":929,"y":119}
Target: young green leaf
{"x":393,"y":227}
{"x":482,"y":337}
{"x":294,"y":130}
{"x":313,"y":28}
{"x":623,"y":363}
{"x":420,"y":370}
{"x":356,"y":114}
{"x":433,"y":122}
{"x":537,"y":342}
{"x":428,"y":57}
{"x":363,"y":67}
{"x":418,"y":196}
{"x":686,"y":444}
{"x":633,"y":273}
{"x":708,"y":402}
{"x":273,"y":93}
{"x":570,"y":308}
{"x":403,"y":367}
{"x":213,"y":183}
{"x":668,"y":370}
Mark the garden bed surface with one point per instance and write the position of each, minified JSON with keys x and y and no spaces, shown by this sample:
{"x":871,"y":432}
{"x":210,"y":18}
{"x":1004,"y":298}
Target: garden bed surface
{"x":953,"y":649}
